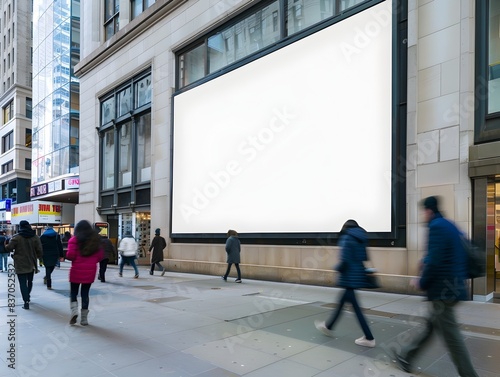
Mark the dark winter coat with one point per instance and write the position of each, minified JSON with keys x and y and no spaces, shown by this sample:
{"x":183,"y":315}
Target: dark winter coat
{"x":444,"y":269}
{"x":3,"y":250}
{"x":233,"y":249}
{"x":52,"y":247}
{"x":352,"y":245}
{"x":109,"y":249}
{"x":157,"y":246}
{"x":27,"y":250}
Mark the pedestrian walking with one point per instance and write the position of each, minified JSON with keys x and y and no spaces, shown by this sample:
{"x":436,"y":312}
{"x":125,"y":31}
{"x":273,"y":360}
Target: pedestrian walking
{"x":4,"y":253}
{"x":233,"y":250}
{"x":109,"y":252}
{"x":65,"y":239}
{"x":443,"y":278}
{"x":27,"y":251}
{"x":352,"y":275}
{"x":157,"y":247}
{"x":128,"y":251}
{"x":84,"y":251}
{"x":52,"y":253}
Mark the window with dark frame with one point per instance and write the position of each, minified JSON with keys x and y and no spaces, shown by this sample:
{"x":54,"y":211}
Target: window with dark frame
{"x":8,"y":111}
{"x":126,"y":135}
{"x":111,"y":18}
{"x":7,"y":167}
{"x":8,"y":142}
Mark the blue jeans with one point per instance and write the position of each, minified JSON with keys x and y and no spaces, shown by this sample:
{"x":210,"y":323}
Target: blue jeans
{"x":3,"y":261}
{"x":130,"y":260}
{"x":350,"y":296}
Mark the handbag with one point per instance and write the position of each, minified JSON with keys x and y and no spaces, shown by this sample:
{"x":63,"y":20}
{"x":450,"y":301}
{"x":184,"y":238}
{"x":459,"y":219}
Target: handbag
{"x":371,"y":280}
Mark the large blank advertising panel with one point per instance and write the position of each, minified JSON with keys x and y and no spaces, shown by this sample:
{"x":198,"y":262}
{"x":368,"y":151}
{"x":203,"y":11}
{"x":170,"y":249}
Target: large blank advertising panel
{"x":297,"y":141}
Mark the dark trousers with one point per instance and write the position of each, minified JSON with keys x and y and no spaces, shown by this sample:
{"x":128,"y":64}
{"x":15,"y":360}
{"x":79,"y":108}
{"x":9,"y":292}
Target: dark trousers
{"x":48,"y":275}
{"x":103,"y":265}
{"x":442,"y":319}
{"x":160,"y":267}
{"x":25,"y":285}
{"x":350,"y":296}
{"x":84,"y":293}
{"x":237,"y":265}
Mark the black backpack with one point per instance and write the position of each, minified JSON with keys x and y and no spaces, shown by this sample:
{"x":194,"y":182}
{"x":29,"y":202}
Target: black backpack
{"x":475,"y":259}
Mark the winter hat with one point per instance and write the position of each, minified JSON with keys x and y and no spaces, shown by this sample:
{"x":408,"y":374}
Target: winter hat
{"x":24,"y":224}
{"x":157,"y":231}
{"x":431,"y":203}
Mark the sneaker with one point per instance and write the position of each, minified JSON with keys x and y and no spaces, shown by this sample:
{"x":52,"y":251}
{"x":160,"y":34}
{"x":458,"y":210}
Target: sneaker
{"x":136,"y":276}
{"x":224,"y":278}
{"x":120,"y":274}
{"x":49,"y":288}
{"x":402,"y":363}
{"x":365,"y":342}
{"x":151,"y":272}
{"x":237,"y":281}
{"x":163,"y":272}
{"x":26,"y":305}
{"x":321,"y":326}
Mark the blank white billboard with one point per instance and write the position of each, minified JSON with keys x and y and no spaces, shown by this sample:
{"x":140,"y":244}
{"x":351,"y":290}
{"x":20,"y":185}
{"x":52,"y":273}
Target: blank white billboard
{"x":297,"y":141}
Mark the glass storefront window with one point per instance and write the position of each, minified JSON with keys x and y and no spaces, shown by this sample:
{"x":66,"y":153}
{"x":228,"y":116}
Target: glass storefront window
{"x":143,"y":173}
{"x":494,"y":58}
{"x":125,"y":155}
{"x":108,"y":160}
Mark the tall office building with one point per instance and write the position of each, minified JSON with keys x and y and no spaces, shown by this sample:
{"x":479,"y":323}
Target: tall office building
{"x":16,"y":102}
{"x":56,"y":103}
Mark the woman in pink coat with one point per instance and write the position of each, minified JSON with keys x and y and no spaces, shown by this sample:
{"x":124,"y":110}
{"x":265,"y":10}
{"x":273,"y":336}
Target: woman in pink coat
{"x":85,"y":252}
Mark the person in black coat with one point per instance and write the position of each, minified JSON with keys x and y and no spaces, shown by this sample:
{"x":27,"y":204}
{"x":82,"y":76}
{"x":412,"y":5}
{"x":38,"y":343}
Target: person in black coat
{"x":156,"y":250}
{"x":233,"y":249}
{"x":352,"y":243}
{"x":109,"y":252}
{"x":4,"y":253}
{"x":52,"y":253}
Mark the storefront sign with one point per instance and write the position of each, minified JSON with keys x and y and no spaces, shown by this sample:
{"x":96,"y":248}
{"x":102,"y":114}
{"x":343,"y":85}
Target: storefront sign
{"x":72,"y":183}
{"x":37,"y":212}
{"x":102,"y":228}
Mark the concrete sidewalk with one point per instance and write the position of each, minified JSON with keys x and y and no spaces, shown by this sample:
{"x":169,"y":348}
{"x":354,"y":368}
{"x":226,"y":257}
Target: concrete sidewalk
{"x":195,"y":325}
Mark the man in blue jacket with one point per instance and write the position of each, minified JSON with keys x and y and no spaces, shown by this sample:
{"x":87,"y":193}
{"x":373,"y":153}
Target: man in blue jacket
{"x":443,"y":278}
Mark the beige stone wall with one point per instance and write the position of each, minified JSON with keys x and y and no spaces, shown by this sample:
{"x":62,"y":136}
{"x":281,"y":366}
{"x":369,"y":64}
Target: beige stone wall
{"x":440,"y":123}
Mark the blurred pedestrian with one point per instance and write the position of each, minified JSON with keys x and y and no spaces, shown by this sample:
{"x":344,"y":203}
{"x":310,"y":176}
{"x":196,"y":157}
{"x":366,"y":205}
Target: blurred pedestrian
{"x":84,"y":251}
{"x":4,"y":253}
{"x":109,"y":252}
{"x":157,"y":246}
{"x":128,"y":252}
{"x":27,"y":251}
{"x":52,"y":253}
{"x":443,"y":276}
{"x":233,"y":249}
{"x":352,"y":243}
{"x":65,"y":240}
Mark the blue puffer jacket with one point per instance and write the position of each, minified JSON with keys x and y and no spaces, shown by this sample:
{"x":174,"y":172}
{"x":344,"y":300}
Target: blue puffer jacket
{"x":353,"y":252}
{"x":444,"y":271}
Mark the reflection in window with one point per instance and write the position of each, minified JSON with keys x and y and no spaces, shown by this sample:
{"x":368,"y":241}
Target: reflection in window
{"x":144,"y":148}
{"x":108,"y":160}
{"x":108,"y":110}
{"x":494,"y":58}
{"x":304,"y":13}
{"x":138,"y":6}
{"x":125,"y":101}
{"x":192,"y":65}
{"x":111,"y":17}
{"x":143,"y":91}
{"x":125,"y":155}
